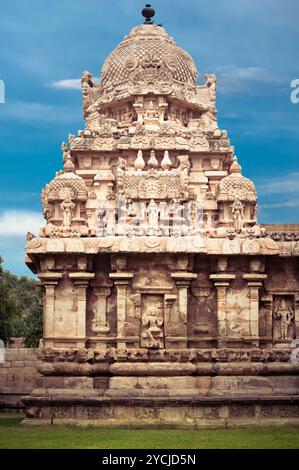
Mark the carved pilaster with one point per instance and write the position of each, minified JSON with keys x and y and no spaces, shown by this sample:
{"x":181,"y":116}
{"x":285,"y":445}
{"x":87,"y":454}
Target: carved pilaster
{"x":182,"y":281}
{"x":99,"y":322}
{"x":221,"y":283}
{"x":268,"y":305}
{"x":81,"y":282}
{"x":297,"y":316}
{"x":121,"y":281}
{"x":49,"y":281}
{"x":254,"y":283}
{"x":168,"y":303}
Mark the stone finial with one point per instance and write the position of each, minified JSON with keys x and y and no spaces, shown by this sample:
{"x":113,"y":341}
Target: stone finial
{"x":235,"y":167}
{"x":139,"y":163}
{"x":166,"y":162}
{"x":148,"y":13}
{"x":68,"y":163}
{"x":153,"y":162}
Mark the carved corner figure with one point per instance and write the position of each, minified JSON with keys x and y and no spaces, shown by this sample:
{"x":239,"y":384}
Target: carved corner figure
{"x":87,"y":84}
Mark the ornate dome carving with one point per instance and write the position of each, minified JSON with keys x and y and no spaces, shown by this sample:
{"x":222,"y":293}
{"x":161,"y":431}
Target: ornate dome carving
{"x":65,"y":184}
{"x":236,"y":185}
{"x":148,"y":52}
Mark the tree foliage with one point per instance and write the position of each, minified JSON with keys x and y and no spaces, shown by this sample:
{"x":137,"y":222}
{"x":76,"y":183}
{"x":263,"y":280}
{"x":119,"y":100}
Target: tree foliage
{"x":20,"y":308}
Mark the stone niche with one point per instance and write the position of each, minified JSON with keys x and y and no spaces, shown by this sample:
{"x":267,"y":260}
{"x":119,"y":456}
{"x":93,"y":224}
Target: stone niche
{"x":283,"y":318}
{"x":152,"y":321}
{"x":202,"y":307}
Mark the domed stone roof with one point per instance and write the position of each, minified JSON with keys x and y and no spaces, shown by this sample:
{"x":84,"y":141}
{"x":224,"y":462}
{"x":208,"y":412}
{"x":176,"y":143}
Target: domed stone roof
{"x":146,"y":51}
{"x":236,"y":185}
{"x":66,"y":184}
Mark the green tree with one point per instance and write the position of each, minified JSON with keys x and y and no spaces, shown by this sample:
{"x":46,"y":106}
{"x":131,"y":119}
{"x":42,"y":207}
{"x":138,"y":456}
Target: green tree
{"x":20,"y":309}
{"x":7,"y":307}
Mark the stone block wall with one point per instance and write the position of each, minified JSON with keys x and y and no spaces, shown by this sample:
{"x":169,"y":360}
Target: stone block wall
{"x":18,"y":376}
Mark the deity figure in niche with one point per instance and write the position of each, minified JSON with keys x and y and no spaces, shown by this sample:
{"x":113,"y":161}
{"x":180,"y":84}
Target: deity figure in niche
{"x":178,"y":222}
{"x":152,"y":335}
{"x":67,"y":207}
{"x":238,"y":215}
{"x":102,"y":222}
{"x":284,"y":315}
{"x":153,"y":218}
{"x":195,"y":216}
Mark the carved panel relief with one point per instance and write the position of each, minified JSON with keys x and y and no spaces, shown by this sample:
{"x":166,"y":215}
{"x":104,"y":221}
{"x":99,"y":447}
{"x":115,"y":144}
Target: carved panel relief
{"x":152,"y":321}
{"x":238,"y":311}
{"x":283,"y":318}
{"x":65,"y":322}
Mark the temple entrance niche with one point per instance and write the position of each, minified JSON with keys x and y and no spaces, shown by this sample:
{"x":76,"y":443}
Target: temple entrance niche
{"x":152,"y":321}
{"x":283,"y":318}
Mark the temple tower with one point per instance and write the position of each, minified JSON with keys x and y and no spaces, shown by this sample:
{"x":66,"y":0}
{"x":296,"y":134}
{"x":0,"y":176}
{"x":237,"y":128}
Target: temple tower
{"x":164,"y":298}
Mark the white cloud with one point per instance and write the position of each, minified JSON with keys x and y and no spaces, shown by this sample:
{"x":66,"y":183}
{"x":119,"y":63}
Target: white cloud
{"x":288,"y":184}
{"x":279,"y":205}
{"x":245,"y":73}
{"x":16,"y":223}
{"x":71,"y":83}
{"x":68,"y":84}
{"x":235,"y":79}
{"x":26,"y":111}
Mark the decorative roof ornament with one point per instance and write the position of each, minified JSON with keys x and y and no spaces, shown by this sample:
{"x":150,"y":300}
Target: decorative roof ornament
{"x":153,"y":162}
{"x":148,"y":13}
{"x":166,"y":162}
{"x":235,"y":167}
{"x":139,"y":163}
{"x":148,"y":53}
{"x":235,"y":185}
{"x":68,"y":166}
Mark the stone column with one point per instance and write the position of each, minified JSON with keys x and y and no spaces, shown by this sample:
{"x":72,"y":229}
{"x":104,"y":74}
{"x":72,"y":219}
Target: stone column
{"x":268,"y":305}
{"x":121,"y":281}
{"x":221,"y":283}
{"x":99,"y":323}
{"x":49,"y":281}
{"x":182,"y":281}
{"x":296,"y":316}
{"x":254,"y":283}
{"x":81,"y":281}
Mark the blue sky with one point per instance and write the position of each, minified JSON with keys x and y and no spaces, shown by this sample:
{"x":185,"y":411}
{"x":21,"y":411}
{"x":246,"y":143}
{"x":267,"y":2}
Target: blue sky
{"x":251,"y":45}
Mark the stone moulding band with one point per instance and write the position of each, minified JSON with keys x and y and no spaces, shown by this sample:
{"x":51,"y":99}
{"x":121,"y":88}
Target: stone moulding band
{"x":175,"y":412}
{"x":168,"y":369}
{"x":146,"y":401}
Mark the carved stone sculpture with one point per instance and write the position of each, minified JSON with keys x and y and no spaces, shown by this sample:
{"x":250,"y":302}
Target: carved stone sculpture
{"x":152,"y":336}
{"x":284,"y":316}
{"x":238,"y":215}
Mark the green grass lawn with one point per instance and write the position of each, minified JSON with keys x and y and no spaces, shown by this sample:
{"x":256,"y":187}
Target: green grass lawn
{"x":14,"y":436}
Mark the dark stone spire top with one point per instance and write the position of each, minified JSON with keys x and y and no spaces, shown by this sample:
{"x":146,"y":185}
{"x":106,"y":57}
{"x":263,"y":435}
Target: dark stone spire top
{"x":148,"y":12}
